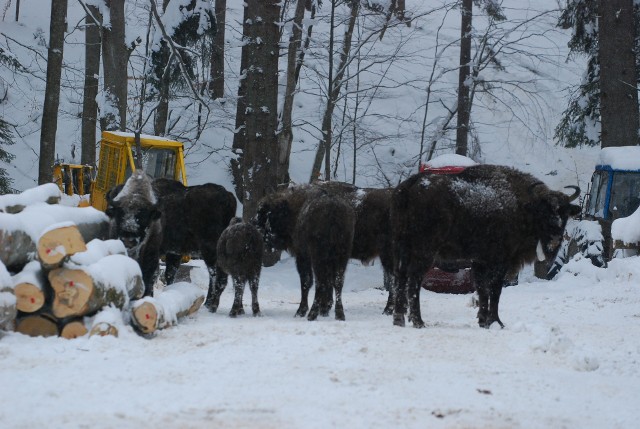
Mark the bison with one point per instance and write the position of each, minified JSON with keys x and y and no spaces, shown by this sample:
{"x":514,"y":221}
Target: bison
{"x":496,"y":217}
{"x":372,"y":234}
{"x":317,"y":228}
{"x":163,"y":217}
{"x":240,"y":250}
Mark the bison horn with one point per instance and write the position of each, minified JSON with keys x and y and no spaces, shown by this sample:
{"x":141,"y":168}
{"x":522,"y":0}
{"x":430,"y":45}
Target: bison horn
{"x":576,"y":192}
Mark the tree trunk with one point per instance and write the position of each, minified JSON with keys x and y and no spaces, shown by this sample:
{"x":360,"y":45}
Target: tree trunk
{"x":618,"y":94}
{"x":162,"y":111}
{"x":52,"y":92}
{"x":73,"y":329}
{"x":91,"y":72}
{"x":335,"y":86}
{"x":176,"y":301}
{"x":464,"y":104}
{"x":259,"y":160}
{"x":114,"y":62}
{"x":285,"y":137}
{"x":84,"y":290}
{"x":216,"y":83}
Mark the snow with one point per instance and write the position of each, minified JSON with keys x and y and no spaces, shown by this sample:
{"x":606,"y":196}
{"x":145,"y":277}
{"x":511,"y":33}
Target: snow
{"x":450,"y":160}
{"x":568,"y":357}
{"x":621,"y":158}
{"x":98,"y":249}
{"x":31,"y":196}
{"x":627,"y":229}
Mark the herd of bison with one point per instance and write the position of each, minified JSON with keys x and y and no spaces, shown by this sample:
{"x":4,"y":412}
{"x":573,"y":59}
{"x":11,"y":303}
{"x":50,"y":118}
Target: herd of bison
{"x":493,"y":218}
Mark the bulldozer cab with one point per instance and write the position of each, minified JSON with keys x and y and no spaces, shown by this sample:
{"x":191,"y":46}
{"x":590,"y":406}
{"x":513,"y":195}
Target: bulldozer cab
{"x":614,"y":191}
{"x":160,"y":158}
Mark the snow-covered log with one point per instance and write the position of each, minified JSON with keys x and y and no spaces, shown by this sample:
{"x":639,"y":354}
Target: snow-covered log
{"x":7,"y":300}
{"x":98,"y":249}
{"x":83,"y":290}
{"x":107,"y":321}
{"x":38,"y":325}
{"x":20,"y":232}
{"x":57,"y":242}
{"x":176,"y":301}
{"x":29,"y":286}
{"x":48,"y":193}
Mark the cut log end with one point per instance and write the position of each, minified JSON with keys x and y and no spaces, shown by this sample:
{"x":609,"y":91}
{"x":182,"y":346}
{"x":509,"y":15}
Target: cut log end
{"x":72,"y":289}
{"x":145,"y":317}
{"x":73,"y":329}
{"x":29,"y":297}
{"x":56,"y":244}
{"x":103,"y":329}
{"x":37,"y":326}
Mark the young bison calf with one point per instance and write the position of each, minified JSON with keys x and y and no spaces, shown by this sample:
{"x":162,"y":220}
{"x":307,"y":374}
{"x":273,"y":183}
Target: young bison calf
{"x":239,"y":251}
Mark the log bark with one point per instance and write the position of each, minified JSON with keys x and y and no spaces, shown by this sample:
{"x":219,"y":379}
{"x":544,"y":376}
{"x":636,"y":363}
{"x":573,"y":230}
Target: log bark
{"x":80,"y":291}
{"x":176,"y":301}
{"x":29,"y":288}
{"x":73,"y":329}
{"x":38,"y":325}
{"x":48,"y":193}
{"x":57,"y":243}
{"x":8,"y":310}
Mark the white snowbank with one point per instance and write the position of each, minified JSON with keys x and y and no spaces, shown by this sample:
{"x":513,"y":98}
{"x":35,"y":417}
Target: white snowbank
{"x":38,"y":194}
{"x":621,"y":158}
{"x":627,"y":229}
{"x":114,"y":271}
{"x":98,"y":249}
{"x":31,"y":273}
{"x":450,"y":160}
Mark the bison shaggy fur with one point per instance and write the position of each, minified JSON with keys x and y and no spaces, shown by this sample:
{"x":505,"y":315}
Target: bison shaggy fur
{"x":240,"y":249}
{"x":493,"y":216}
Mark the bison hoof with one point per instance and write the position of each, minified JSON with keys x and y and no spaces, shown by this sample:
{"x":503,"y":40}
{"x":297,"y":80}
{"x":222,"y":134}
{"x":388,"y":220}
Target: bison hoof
{"x":212,"y":308}
{"x":398,"y":320}
{"x":257,"y":313}
{"x":340,"y":316}
{"x":301,"y":312}
{"x":418,"y":324}
{"x":388,"y":310}
{"x":236,"y":312}
{"x":324,"y":313}
{"x":256,"y":310}
{"x":313,"y":315}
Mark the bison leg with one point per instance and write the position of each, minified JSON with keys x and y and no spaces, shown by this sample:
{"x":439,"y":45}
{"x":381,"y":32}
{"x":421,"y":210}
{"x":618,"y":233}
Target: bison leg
{"x":238,"y":287}
{"x":253,"y":285}
{"x":339,"y":283}
{"x":326,"y":301}
{"x":217,"y":284}
{"x":172,"y":262}
{"x":413,"y":295}
{"x":400,"y":294}
{"x":303,"y":264}
{"x":489,"y":285}
{"x":317,"y":300}
{"x":150,"y":267}
{"x":390,"y":286}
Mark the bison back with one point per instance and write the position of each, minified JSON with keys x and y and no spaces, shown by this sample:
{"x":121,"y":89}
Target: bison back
{"x":240,"y":249}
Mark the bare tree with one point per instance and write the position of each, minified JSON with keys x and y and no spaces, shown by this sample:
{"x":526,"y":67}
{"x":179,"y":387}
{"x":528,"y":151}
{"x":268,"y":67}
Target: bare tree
{"x":52,"y":92}
{"x":617,"y":57}
{"x":335,"y":86}
{"x":92,"y":48}
{"x":257,"y":162}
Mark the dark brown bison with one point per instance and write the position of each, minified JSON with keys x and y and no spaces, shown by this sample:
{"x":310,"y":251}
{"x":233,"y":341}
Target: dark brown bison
{"x":372,"y":234}
{"x":240,"y":250}
{"x":163,"y":217}
{"x":495,"y":217}
{"x":317,"y":228}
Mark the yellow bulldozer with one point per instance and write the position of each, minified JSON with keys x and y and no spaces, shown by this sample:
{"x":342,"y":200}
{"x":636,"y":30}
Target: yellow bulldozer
{"x":161,"y":157}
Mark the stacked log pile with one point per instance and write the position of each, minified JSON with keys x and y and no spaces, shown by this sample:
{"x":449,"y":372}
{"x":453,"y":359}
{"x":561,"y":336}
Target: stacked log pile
{"x":60,"y":276}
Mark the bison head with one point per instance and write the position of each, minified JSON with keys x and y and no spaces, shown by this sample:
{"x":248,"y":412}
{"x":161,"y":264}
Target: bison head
{"x":551,"y":211}
{"x":275,"y":221}
{"x":133,"y":212}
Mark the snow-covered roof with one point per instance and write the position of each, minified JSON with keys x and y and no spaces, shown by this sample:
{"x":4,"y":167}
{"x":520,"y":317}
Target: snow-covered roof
{"x":621,"y":158}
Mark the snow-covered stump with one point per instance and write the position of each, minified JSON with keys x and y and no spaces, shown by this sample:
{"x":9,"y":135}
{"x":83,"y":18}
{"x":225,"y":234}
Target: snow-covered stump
{"x":98,"y":249}
{"x":8,"y":311}
{"x":176,"y":301}
{"x":48,"y":193}
{"x":57,"y":243}
{"x":108,"y":321}
{"x":38,"y":325}
{"x":83,"y":290}
{"x":30,"y":288}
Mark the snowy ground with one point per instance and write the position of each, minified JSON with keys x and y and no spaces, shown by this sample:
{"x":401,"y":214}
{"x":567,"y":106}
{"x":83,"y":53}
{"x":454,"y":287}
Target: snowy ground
{"x":568,"y":358}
